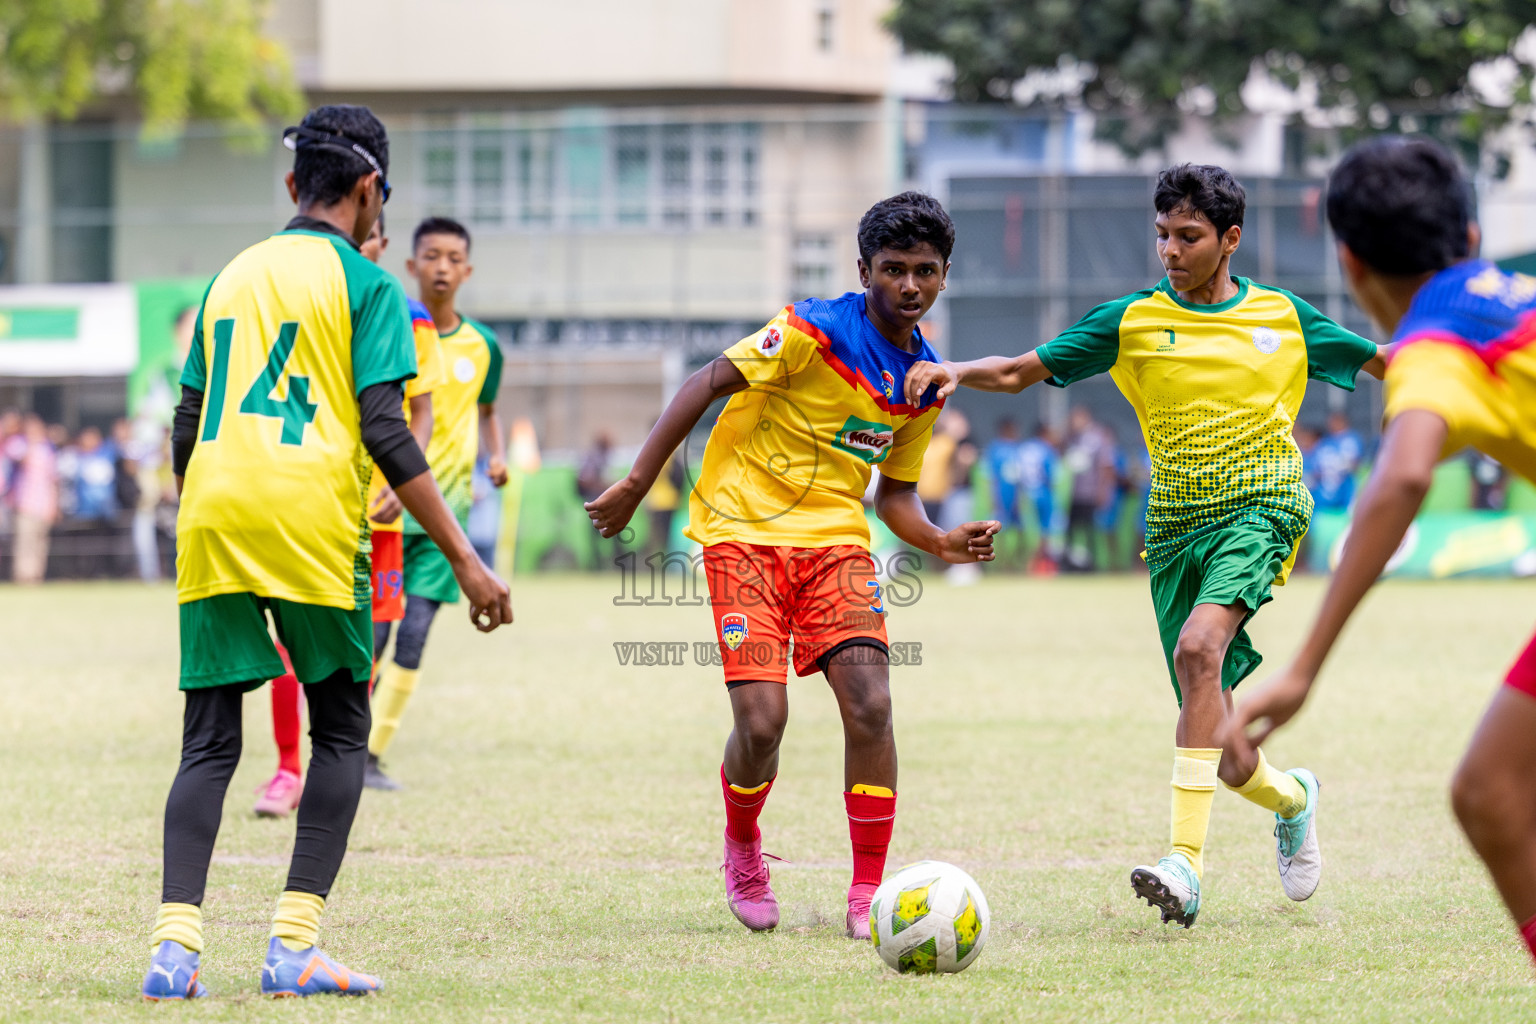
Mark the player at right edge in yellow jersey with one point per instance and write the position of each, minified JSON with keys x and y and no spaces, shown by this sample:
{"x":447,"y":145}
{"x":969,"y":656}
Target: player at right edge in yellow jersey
{"x":463,"y":420}
{"x":1215,"y":367}
{"x":292,"y":392}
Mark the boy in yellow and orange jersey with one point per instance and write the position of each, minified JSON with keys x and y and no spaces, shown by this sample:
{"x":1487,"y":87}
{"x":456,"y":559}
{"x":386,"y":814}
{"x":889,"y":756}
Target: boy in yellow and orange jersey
{"x":816,"y":404}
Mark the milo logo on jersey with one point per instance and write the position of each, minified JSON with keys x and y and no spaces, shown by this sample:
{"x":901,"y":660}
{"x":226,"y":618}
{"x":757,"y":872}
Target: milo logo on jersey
{"x":869,"y":441}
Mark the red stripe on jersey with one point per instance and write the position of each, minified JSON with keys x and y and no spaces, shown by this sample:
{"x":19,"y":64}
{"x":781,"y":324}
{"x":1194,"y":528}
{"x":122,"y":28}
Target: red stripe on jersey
{"x":1523,"y":336}
{"x":854,"y":377}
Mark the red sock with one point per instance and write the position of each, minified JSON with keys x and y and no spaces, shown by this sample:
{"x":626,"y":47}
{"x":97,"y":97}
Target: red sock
{"x":870,"y":821}
{"x":1528,"y":933}
{"x":742,"y":809}
{"x":286,"y":696}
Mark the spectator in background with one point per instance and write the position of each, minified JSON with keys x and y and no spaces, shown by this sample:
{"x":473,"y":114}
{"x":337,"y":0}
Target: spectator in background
{"x":661,"y":502}
{"x":484,"y":525}
{"x":66,"y":455}
{"x":1142,"y":488}
{"x":591,"y":481}
{"x":933,"y":480}
{"x":1332,"y":464}
{"x":1002,"y":462}
{"x":35,"y":502}
{"x":1106,"y":518}
{"x":1090,"y":459}
{"x":1490,"y":484}
{"x":12,"y":445}
{"x":958,"y":499}
{"x":145,"y":453}
{"x":1039,"y":461}
{"x":95,"y":477}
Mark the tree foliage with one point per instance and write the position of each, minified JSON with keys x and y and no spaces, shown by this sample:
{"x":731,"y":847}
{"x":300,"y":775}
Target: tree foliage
{"x":1145,"y":64}
{"x":178,"y":59}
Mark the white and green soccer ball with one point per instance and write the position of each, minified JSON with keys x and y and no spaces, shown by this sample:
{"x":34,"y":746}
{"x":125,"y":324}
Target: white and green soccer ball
{"x":929,"y":917}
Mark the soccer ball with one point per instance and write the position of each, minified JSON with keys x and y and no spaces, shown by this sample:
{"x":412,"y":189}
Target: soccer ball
{"x":929,"y":917}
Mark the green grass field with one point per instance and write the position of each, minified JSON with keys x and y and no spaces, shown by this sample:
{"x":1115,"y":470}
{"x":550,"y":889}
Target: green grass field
{"x":555,"y":856}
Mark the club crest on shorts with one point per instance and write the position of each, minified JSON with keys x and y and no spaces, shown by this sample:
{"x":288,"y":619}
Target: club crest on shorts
{"x":733,"y":630}
{"x":772,"y":339}
{"x":888,"y":383}
{"x":1266,"y":340}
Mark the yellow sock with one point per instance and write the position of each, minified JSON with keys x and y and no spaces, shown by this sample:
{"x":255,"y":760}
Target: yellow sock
{"x":1274,"y":790}
{"x":872,"y":790}
{"x":297,"y":920}
{"x":1194,"y":787}
{"x":181,"y":922}
{"x":390,"y":696}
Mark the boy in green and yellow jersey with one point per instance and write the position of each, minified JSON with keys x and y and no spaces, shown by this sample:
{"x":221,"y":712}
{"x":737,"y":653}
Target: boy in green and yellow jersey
{"x":463,"y":418}
{"x":1215,"y":367}
{"x":291,"y":393}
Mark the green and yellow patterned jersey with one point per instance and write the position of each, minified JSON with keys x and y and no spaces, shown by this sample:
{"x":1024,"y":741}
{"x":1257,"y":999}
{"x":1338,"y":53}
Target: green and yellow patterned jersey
{"x":471,"y":362}
{"x":1217,"y":389}
{"x":289,"y":334}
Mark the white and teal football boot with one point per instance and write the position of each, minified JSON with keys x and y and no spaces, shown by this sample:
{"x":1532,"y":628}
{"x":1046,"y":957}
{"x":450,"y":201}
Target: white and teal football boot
{"x":1171,"y":886}
{"x":1297,"y":854}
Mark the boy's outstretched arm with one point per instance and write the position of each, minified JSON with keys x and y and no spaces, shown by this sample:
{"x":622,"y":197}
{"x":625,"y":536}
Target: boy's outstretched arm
{"x":897,"y":505}
{"x":1376,"y":366}
{"x":611,"y":510}
{"x":1403,"y":473}
{"x":992,"y":373}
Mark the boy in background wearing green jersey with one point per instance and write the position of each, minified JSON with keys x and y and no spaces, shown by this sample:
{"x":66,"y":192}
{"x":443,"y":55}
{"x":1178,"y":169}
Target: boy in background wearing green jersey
{"x":292,"y":391}
{"x":1215,"y":367}
{"x":463,"y":418}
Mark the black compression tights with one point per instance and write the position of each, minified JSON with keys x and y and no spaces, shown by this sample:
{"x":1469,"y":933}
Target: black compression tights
{"x":210,"y":749}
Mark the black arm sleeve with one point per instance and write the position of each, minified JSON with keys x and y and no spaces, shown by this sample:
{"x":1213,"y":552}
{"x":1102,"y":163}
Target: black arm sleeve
{"x":386,"y":436}
{"x":184,"y":428}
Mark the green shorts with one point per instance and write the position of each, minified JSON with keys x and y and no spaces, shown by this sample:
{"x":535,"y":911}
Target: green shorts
{"x":427,"y":572}
{"x":1231,"y":563}
{"x":224,"y":640}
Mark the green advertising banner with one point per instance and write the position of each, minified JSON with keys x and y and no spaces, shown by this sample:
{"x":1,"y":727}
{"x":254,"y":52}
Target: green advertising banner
{"x":167,"y":312}
{"x":22,"y":323}
{"x":1440,"y":545}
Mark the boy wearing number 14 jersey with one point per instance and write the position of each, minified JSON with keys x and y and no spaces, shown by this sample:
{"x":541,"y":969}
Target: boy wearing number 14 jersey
{"x":292,"y":390}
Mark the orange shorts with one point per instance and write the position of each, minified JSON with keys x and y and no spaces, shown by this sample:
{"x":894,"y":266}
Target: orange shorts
{"x":388,"y":576}
{"x":762,"y":597}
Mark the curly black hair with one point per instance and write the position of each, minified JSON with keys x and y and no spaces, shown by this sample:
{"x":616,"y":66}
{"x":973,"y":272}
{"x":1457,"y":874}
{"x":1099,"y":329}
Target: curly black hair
{"x":1204,"y":189}
{"x":325,"y":173}
{"x":904,"y":221}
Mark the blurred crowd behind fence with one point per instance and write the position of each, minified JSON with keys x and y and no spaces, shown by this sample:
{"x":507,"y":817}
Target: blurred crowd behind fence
{"x":618,"y":248}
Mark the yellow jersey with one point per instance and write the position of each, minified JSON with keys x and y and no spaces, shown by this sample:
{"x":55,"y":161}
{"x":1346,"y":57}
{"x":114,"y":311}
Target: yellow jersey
{"x":790,"y":458}
{"x":429,"y":375}
{"x":1466,"y":351}
{"x":471,"y":361}
{"x":289,"y":334}
{"x":1216,"y":389}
